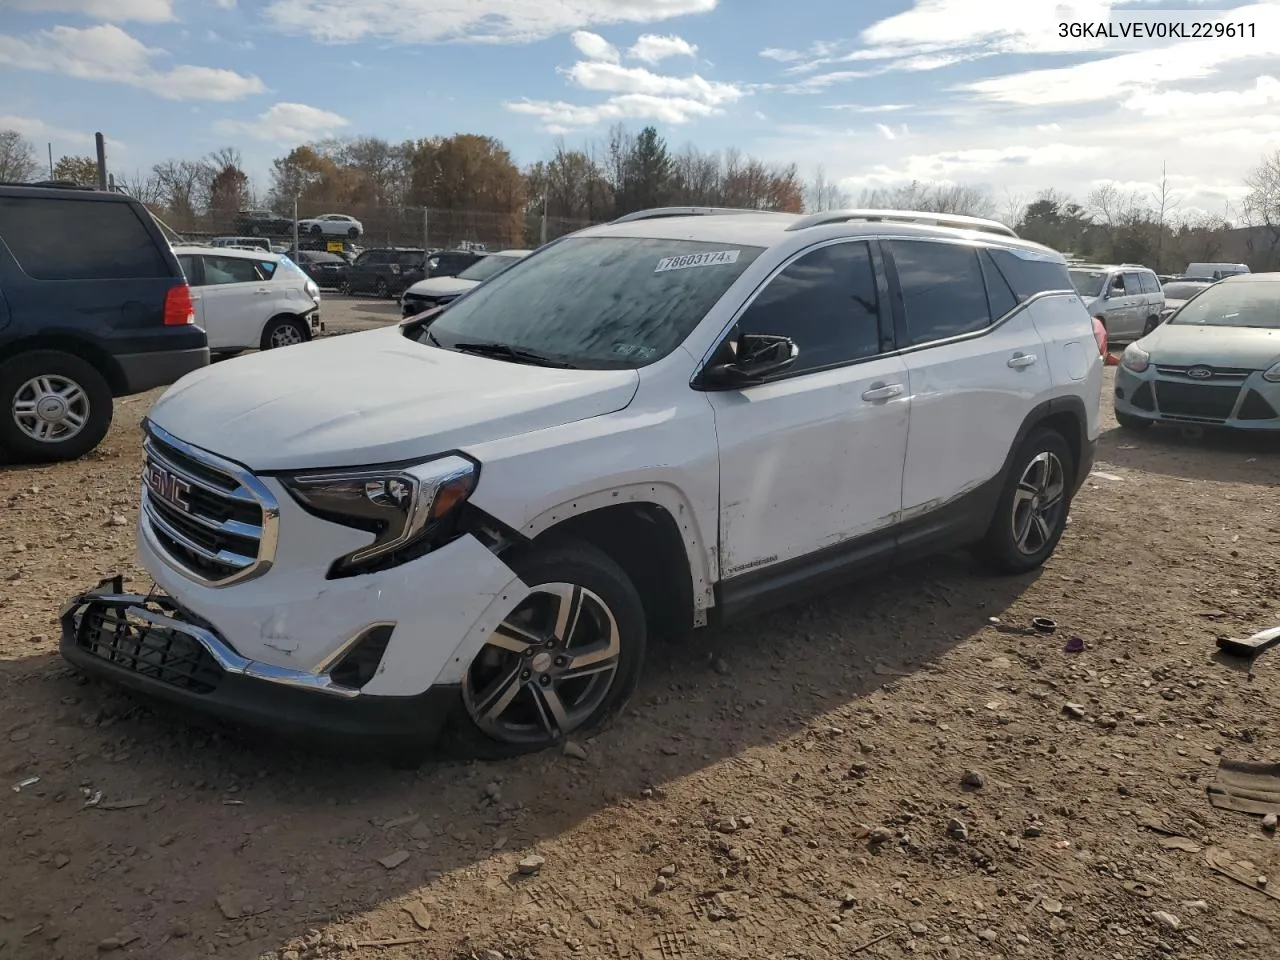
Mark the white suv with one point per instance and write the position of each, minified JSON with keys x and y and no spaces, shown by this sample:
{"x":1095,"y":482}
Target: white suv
{"x":478,"y":519}
{"x":250,"y":299}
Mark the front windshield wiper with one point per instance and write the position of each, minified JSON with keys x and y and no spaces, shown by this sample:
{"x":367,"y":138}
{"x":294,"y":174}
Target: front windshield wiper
{"x":504,"y":351}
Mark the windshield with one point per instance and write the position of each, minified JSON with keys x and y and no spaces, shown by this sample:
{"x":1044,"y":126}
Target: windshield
{"x":487,"y":267}
{"x":1255,"y":304}
{"x":597,"y":302}
{"x":1088,"y":283}
{"x":1183,"y":291}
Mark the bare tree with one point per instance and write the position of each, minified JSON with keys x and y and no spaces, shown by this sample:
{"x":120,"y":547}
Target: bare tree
{"x":932,"y":198}
{"x":17,"y":157}
{"x":1015,"y":208}
{"x":1163,"y":202}
{"x":823,"y":194}
{"x":1261,"y":206}
{"x":142,"y":186}
{"x":183,"y":186}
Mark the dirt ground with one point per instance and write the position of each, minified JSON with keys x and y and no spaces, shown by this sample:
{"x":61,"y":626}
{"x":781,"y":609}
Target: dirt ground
{"x":789,"y":789}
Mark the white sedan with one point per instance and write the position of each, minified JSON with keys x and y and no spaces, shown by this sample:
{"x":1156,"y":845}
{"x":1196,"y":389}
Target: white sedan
{"x":332,"y":225}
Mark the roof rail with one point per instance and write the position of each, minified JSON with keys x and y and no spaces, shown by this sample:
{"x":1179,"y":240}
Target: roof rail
{"x":906,"y":216}
{"x":657,"y":213}
{"x":47,"y":184}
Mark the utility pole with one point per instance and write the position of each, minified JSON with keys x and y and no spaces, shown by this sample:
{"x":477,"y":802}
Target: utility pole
{"x":102,"y":161}
{"x":426,"y":229}
{"x":51,"y":160}
{"x":543,"y":234}
{"x":295,"y":226}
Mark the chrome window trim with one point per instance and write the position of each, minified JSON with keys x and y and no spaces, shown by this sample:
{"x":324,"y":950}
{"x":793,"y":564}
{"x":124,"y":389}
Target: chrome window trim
{"x":249,"y":489}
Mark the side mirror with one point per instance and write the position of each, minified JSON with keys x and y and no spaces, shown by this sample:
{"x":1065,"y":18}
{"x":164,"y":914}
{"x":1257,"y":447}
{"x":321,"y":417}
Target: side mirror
{"x":758,"y":355}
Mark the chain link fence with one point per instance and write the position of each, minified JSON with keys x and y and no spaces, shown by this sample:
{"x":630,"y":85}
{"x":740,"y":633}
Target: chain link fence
{"x":402,"y":227}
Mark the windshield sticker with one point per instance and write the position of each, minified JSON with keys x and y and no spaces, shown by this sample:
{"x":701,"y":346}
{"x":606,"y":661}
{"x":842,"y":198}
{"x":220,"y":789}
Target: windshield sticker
{"x":634,"y":350}
{"x":697,"y":260}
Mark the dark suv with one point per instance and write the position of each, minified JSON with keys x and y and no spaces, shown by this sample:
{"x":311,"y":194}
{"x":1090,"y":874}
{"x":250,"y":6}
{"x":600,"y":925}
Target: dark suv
{"x":450,"y":263}
{"x":385,"y":271}
{"x":93,"y":305}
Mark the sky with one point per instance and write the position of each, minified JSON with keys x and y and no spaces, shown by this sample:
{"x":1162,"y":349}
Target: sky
{"x":876,"y":92}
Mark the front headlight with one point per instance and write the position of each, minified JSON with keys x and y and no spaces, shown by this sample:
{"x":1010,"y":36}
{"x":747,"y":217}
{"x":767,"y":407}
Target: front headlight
{"x":1135,"y":358}
{"x":408,"y":509}
{"x":312,"y":290}
{"x":1272,"y":375}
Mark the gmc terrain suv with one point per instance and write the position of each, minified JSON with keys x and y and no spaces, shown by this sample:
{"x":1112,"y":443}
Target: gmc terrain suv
{"x":476,"y":521}
{"x":93,"y":305}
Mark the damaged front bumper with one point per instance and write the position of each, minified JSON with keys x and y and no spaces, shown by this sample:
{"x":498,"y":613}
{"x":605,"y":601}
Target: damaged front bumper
{"x":148,"y":644}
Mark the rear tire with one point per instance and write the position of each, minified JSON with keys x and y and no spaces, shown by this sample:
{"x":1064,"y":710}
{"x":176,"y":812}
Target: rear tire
{"x":1032,"y":513}
{"x":381,"y":290}
{"x":1129,"y":422}
{"x":538,"y":681}
{"x":283,"y":332}
{"x":57,"y":395}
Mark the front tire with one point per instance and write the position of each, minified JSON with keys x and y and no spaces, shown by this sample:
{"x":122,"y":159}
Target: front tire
{"x":564,"y":661}
{"x":53,"y":406}
{"x":380,"y":290}
{"x":283,"y":332}
{"x":1032,"y":513}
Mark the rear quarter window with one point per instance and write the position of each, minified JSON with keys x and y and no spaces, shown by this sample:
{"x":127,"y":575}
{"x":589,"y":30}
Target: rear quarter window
{"x":79,"y":239}
{"x":1027,"y":277}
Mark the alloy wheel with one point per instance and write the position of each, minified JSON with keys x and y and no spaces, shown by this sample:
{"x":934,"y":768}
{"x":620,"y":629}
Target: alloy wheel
{"x":50,"y":408}
{"x":1038,"y":503}
{"x":546,"y":669}
{"x":285,"y":335}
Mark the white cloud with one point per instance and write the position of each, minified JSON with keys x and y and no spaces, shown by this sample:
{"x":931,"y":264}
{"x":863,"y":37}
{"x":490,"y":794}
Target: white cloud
{"x":595,"y":47}
{"x":288,"y":124}
{"x":226,"y":4}
{"x":868,"y":108}
{"x":107,"y":53}
{"x":39,"y":132}
{"x":652,"y":48}
{"x":892,"y":133}
{"x":115,"y":11}
{"x":481,"y":21}
{"x":634,"y":93}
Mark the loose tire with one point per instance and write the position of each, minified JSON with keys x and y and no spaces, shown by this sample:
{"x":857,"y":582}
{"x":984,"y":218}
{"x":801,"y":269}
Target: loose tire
{"x":1032,"y":513}
{"x":283,"y":332}
{"x":564,"y":661}
{"x":1129,"y":422}
{"x":53,"y":406}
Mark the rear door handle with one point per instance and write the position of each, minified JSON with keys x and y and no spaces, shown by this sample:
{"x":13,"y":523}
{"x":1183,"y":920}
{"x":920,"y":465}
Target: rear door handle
{"x":262,"y":291}
{"x":1020,"y":360}
{"x":882,"y":391}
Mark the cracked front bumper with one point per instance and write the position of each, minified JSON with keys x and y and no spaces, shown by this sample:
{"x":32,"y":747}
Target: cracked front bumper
{"x":148,"y":644}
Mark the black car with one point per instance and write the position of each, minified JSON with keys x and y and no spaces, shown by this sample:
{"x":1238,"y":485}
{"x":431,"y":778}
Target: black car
{"x":385,"y":271}
{"x":450,"y":263}
{"x":326,"y":269}
{"x":262,"y":223}
{"x":93,"y":305}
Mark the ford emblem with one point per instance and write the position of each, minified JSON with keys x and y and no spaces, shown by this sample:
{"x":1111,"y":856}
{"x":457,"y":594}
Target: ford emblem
{"x":1199,"y":373}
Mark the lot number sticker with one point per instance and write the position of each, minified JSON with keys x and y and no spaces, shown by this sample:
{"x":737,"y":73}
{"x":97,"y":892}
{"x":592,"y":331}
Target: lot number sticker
{"x":715,"y":259}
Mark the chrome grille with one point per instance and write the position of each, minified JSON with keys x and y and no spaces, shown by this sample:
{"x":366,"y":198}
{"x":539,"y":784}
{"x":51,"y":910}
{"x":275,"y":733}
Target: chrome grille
{"x":208,"y":517}
{"x":1235,"y":374}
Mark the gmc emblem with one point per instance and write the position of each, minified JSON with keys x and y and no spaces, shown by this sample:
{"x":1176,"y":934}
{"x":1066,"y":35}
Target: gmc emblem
{"x":169,"y":488}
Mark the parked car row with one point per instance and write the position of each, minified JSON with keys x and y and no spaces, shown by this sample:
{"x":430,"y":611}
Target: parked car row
{"x":268,"y":223}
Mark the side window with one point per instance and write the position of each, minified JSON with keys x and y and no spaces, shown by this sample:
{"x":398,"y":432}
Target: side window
{"x":1133,"y":283}
{"x":1118,"y":287}
{"x":220,"y":270}
{"x":365,"y":260}
{"x":1150,"y":283}
{"x":266,"y":268}
{"x":999,"y":295}
{"x":826,"y":302}
{"x":79,"y":239}
{"x":410,"y":259}
{"x":189,"y":268}
{"x":1027,"y":277}
{"x":943,"y":293}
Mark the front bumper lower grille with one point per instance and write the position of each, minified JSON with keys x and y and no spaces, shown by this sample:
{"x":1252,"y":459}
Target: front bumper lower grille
{"x":1194,"y":401}
{"x":144,"y":647}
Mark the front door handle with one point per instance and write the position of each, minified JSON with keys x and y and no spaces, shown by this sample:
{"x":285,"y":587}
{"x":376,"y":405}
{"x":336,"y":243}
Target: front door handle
{"x":1020,"y":360}
{"x":882,"y":391}
{"x":262,"y":291}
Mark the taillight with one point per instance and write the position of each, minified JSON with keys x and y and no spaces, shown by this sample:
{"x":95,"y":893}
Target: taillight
{"x":178,"y":308}
{"x":1100,"y":334}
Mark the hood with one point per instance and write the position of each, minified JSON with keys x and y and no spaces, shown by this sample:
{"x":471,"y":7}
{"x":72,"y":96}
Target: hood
{"x":374,"y":397}
{"x":441,"y":287}
{"x":1247,"y":348}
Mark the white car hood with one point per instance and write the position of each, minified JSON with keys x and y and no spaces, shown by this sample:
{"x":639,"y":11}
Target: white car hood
{"x":441,"y":286}
{"x":1177,"y":344}
{"x":374,"y":397}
